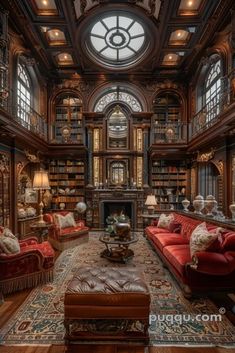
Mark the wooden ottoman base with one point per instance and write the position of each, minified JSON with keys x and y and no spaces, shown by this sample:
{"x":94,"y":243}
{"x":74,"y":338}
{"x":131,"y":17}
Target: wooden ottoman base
{"x":107,"y":304}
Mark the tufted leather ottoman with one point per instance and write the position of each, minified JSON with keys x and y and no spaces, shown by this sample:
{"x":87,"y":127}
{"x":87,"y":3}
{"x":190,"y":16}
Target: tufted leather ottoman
{"x":107,"y":303}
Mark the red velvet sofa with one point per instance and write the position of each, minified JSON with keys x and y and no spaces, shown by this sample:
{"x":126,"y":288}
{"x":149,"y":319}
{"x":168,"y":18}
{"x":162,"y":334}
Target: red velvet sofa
{"x":209,"y":270}
{"x":30,"y":267}
{"x":63,"y":238}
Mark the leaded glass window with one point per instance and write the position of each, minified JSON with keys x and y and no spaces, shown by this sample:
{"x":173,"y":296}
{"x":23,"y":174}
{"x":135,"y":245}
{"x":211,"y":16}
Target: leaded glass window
{"x":23,"y":95}
{"x":117,"y":95}
{"x":118,"y":173}
{"x":213,"y":90}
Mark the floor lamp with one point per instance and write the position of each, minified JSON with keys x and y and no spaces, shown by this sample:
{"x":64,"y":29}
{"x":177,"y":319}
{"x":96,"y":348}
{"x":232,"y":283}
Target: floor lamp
{"x":41,"y":182}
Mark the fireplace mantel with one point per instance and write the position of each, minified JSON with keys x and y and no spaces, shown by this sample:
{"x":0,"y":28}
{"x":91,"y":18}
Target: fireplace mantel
{"x":95,"y":199}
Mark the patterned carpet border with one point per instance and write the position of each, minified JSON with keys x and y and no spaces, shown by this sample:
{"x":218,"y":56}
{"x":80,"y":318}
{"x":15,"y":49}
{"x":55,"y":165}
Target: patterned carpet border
{"x":39,"y":320}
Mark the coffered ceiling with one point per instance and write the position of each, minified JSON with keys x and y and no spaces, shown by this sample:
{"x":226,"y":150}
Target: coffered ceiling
{"x":160,"y":37}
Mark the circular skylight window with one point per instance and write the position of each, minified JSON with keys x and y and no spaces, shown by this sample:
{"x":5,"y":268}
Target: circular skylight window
{"x":117,"y":40}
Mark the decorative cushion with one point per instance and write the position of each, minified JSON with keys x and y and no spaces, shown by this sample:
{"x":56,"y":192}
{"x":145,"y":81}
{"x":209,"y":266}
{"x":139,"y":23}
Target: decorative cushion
{"x":201,"y":239}
{"x":9,"y":243}
{"x":164,"y":220}
{"x":174,"y":227}
{"x":65,"y":221}
{"x":228,"y":241}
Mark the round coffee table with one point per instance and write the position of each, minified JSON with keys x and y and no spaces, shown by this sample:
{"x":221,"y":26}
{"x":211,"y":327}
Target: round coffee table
{"x":117,"y":249}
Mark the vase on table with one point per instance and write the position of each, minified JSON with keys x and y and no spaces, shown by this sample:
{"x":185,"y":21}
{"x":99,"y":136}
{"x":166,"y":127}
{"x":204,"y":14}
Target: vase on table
{"x":198,"y":204}
{"x":210,"y":204}
{"x":185,"y":204}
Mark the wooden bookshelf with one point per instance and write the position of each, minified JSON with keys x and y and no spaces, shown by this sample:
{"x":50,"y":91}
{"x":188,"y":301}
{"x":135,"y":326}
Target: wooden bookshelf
{"x":67,"y":182}
{"x":169,"y":182}
{"x":68,"y":113}
{"x":4,"y":189}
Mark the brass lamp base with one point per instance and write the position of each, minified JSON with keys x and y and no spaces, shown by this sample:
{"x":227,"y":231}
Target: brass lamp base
{"x":41,"y":220}
{"x":151,"y":210}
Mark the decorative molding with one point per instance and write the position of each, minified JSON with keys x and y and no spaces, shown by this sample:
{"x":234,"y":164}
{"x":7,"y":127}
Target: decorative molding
{"x":151,"y":6}
{"x":31,"y":157}
{"x":205,"y":157}
{"x":220,"y":166}
{"x":19,"y":167}
{"x":4,"y":163}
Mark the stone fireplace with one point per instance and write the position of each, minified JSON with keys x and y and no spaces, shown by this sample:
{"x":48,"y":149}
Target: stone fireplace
{"x":105,"y":202}
{"x":109,"y":208}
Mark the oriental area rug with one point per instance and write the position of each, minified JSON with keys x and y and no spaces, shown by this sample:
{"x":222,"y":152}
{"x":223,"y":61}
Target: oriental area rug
{"x":39,"y":320}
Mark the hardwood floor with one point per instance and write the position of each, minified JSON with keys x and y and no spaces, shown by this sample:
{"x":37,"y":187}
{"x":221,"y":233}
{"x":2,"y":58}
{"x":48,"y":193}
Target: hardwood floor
{"x":108,"y":349}
{"x":13,"y":301}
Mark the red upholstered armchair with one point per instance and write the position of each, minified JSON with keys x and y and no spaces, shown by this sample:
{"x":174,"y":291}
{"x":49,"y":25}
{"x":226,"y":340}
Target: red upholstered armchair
{"x":64,"y":237}
{"x":33,"y":265}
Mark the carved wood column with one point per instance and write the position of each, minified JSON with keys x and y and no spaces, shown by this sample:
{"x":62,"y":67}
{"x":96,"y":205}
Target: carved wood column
{"x":90,"y":150}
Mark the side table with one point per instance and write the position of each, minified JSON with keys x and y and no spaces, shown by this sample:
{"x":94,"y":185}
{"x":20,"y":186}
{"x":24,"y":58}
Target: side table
{"x":41,"y":229}
{"x":148,"y":218}
{"x":24,"y":228}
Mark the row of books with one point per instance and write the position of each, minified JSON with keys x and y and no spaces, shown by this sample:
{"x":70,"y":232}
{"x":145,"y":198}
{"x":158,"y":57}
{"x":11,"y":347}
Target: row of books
{"x":171,"y":169}
{"x":61,"y":162}
{"x":168,"y":183}
{"x":67,"y":169}
{"x":68,"y":199}
{"x":66,"y":176}
{"x":67,"y":183}
{"x":169,"y":177}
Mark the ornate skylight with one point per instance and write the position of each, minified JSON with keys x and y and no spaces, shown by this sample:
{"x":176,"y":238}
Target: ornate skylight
{"x":117,"y":39}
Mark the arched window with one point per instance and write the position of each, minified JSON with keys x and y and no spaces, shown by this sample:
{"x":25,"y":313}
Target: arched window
{"x":117,"y":129}
{"x":24,"y":95}
{"x":118,"y":172}
{"x":212,"y":90}
{"x":118,"y":94}
{"x":209,"y":89}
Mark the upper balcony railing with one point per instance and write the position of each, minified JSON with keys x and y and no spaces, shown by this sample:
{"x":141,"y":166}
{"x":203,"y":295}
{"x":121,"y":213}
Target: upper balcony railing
{"x":24,"y":115}
{"x":212,"y":110}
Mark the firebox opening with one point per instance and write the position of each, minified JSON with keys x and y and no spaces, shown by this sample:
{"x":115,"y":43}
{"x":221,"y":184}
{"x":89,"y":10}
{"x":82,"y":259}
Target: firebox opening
{"x":118,"y":208}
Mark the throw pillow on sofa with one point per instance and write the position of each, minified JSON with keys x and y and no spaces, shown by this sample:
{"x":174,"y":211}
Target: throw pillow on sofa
{"x":65,"y":221}
{"x":174,"y":227}
{"x":201,"y":239}
{"x":9,"y":243}
{"x":165,"y":221}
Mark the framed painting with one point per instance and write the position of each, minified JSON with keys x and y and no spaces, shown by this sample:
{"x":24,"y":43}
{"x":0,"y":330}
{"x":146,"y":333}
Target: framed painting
{"x":31,"y":195}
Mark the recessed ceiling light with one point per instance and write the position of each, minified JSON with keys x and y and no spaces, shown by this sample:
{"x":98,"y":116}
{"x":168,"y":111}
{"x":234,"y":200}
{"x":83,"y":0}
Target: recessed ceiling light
{"x":65,"y":56}
{"x":56,"y":33}
{"x":179,"y":34}
{"x":170,"y":57}
{"x":190,"y":3}
{"x":45,"y":2}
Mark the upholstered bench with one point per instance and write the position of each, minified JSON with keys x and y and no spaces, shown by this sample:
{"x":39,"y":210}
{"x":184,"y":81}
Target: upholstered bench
{"x":107,"y":304}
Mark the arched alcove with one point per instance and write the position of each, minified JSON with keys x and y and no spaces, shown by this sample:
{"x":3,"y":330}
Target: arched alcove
{"x":67,"y":124}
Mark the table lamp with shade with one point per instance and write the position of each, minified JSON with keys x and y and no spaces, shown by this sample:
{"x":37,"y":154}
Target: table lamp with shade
{"x":151,"y":203}
{"x":41,"y":182}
